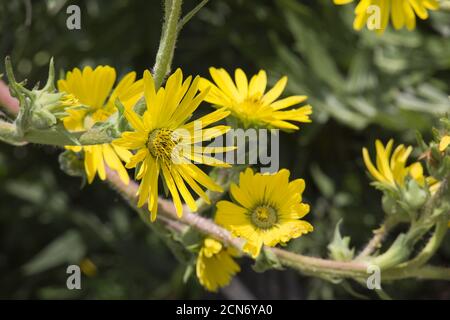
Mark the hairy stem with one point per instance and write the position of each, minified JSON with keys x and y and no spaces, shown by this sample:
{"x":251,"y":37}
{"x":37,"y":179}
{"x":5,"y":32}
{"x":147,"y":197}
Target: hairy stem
{"x":309,"y":265}
{"x":168,"y":40}
{"x":379,"y":235}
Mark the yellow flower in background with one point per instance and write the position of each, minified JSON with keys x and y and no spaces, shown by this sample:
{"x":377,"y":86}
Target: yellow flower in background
{"x":401,"y":12}
{"x":390,"y":168}
{"x":266,"y":209}
{"x":88,"y":267}
{"x":93,"y":90}
{"x":165,"y":143}
{"x":444,"y":143}
{"x":249,"y":102}
{"x":215,"y":265}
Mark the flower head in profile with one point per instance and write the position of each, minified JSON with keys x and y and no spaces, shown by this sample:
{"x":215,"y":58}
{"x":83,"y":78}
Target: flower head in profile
{"x":391,"y":169}
{"x":251,"y":104}
{"x":166,"y":145}
{"x":266,"y":209}
{"x":401,"y":12}
{"x":215,"y":265}
{"x":92,"y":94}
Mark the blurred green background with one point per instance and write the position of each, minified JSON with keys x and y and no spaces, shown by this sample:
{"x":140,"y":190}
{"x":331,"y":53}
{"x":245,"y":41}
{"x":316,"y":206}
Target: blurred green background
{"x":361,"y":87}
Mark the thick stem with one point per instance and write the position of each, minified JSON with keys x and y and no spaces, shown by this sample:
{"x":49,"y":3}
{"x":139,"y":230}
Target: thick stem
{"x":168,"y":40}
{"x":426,"y":273}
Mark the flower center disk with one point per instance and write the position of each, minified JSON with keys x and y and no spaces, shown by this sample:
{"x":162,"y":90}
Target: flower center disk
{"x":264,"y":217}
{"x":161,"y":143}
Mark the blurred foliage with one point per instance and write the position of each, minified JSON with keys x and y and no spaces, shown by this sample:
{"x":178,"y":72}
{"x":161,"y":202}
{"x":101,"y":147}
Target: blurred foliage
{"x":362,"y":86}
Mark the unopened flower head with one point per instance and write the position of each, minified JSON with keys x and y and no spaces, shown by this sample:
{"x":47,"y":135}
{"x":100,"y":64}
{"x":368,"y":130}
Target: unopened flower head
{"x":249,"y":103}
{"x":215,"y":264}
{"x":266,"y":210}
{"x":91,"y":94}
{"x":401,"y":12}
{"x":165,"y":144}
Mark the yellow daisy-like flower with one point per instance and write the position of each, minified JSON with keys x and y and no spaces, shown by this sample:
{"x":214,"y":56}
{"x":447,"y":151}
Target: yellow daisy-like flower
{"x":249,"y":103}
{"x":401,"y":12}
{"x":391,"y":170}
{"x":215,"y":265}
{"x":444,"y":143}
{"x":266,"y":210}
{"x":165,"y":143}
{"x":93,"y":90}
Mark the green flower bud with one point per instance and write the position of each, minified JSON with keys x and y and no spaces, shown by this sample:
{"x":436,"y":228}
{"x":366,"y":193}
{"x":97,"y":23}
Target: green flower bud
{"x":43,"y":119}
{"x":389,"y":204}
{"x":72,"y":163}
{"x":39,"y":108}
{"x":414,"y":195}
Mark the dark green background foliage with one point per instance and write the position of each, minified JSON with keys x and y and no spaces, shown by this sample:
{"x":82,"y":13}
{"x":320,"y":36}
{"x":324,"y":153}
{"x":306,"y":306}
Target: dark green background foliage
{"x":361,"y":86}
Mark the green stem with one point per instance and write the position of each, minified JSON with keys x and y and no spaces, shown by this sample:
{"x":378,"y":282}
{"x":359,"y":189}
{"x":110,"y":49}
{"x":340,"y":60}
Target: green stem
{"x":168,"y":40}
{"x":53,"y":136}
{"x":429,"y":250}
{"x":426,"y":272}
{"x":378,"y":238}
{"x":190,"y":14}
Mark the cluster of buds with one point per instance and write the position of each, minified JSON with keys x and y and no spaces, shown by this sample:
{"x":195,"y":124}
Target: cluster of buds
{"x":40,"y":109}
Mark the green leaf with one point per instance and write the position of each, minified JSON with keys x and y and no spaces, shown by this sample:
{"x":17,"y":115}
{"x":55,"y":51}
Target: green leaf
{"x":267,"y":260}
{"x":66,"y":249}
{"x":339,"y":247}
{"x":322,"y":181}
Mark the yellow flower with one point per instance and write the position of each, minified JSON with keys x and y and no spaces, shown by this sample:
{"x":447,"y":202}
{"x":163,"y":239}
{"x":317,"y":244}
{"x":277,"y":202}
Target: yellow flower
{"x":93,"y":90}
{"x":401,"y":12}
{"x":215,"y":265}
{"x":445,"y":142}
{"x":266,"y":210}
{"x":392,"y":170}
{"x":69,"y":100}
{"x":433,"y":184}
{"x":165,"y":142}
{"x":88,"y":267}
{"x":248,"y":102}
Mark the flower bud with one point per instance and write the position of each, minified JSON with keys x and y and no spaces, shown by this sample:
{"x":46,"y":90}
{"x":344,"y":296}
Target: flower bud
{"x":414,"y":195}
{"x":389,"y":204}
{"x":72,"y":163}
